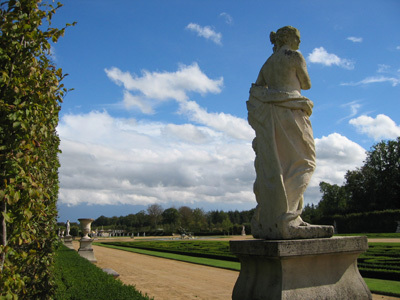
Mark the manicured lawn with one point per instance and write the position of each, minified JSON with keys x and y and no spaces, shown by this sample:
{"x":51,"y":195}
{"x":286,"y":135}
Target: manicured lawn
{"x":383,"y":287}
{"x":224,"y":264}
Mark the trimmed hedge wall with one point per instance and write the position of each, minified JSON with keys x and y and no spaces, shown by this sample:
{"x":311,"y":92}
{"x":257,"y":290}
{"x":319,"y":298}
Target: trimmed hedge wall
{"x":30,"y":97}
{"x":368,"y":222}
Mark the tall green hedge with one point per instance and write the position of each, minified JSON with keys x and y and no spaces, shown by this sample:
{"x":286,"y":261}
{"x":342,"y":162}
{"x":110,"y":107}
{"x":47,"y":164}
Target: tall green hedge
{"x":366,"y":222}
{"x":30,"y":97}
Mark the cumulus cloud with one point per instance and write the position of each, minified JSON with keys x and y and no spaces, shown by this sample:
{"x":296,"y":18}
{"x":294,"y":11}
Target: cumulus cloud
{"x":112,"y":161}
{"x":382,"y":127}
{"x":321,"y":56}
{"x":336,"y":154}
{"x":153,"y":87}
{"x":206,"y":32}
{"x":355,"y":39}
{"x":107,"y":160}
{"x":233,"y":126}
{"x":228,"y":18}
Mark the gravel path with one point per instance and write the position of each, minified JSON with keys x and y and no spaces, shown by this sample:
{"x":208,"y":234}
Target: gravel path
{"x":166,"y":279}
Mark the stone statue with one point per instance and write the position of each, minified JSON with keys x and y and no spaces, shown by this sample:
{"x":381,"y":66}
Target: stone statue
{"x":284,"y":143}
{"x":68,"y":228}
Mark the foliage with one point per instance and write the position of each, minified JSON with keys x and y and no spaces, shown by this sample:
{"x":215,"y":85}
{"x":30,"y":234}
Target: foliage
{"x":373,"y":187}
{"x":77,"y":279}
{"x":371,"y":222}
{"x":183,"y":219}
{"x":155,"y":214}
{"x":30,"y":97}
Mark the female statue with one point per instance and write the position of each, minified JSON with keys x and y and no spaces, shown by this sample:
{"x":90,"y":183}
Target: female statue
{"x":284,"y":143}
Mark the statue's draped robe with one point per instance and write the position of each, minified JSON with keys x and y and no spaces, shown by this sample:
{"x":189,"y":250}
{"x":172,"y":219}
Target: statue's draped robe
{"x":285,"y":159}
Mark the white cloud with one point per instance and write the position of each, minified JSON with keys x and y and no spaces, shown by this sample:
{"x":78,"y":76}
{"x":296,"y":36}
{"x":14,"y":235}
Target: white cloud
{"x":231,"y":125}
{"x":321,"y":56}
{"x":228,"y":18}
{"x":108,"y":160}
{"x":355,"y":39}
{"x":153,"y":87}
{"x":374,"y":79}
{"x":398,"y":48}
{"x":382,"y":127}
{"x":336,"y":154}
{"x":206,"y":32}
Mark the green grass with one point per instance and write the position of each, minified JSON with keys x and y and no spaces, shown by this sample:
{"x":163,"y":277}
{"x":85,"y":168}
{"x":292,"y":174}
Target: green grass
{"x":383,"y":287}
{"x":217,"y":263}
{"x":206,"y":249}
{"x":374,"y":235}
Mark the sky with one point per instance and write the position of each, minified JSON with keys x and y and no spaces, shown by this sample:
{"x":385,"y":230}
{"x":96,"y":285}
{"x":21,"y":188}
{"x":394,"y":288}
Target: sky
{"x":157,"y":114}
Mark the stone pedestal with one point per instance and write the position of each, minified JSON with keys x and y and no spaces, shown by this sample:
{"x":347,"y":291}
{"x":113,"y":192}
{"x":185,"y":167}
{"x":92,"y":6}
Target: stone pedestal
{"x":68,"y":242}
{"x":300,"y":269}
{"x":85,"y":250}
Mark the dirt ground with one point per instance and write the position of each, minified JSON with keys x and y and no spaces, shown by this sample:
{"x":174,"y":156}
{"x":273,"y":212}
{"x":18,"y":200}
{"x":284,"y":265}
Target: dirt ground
{"x":166,"y":279}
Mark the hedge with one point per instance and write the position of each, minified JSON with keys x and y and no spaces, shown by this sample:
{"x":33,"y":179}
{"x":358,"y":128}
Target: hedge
{"x":79,"y":279}
{"x":30,"y":97}
{"x":367,"y":222}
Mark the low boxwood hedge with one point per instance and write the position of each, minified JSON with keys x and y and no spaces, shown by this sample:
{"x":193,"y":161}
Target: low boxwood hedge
{"x":78,"y":279}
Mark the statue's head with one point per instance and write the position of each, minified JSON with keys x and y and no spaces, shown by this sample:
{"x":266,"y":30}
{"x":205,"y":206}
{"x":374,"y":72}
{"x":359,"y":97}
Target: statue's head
{"x":287,"y":35}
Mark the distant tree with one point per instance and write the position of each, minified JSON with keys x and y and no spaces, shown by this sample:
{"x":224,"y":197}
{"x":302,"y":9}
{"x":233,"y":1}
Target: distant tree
{"x":186,"y":216}
{"x":199,"y":220}
{"x":334,"y":199}
{"x":101,"y":221}
{"x":142,"y":219}
{"x":216,"y":217}
{"x":155,"y":214}
{"x":170,"y":216}
{"x":310,"y":214}
{"x":373,"y":187}
{"x":376,"y":185}
{"x":226,"y":225}
{"x":234,"y":217}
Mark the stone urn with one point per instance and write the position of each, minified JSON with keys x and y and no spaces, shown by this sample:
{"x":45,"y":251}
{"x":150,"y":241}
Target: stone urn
{"x":85,"y":226}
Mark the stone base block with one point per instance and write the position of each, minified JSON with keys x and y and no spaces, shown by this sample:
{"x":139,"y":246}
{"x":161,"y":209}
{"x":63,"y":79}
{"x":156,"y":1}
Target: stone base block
{"x":85,"y":250}
{"x":300,"y":269}
{"x":68,"y":242}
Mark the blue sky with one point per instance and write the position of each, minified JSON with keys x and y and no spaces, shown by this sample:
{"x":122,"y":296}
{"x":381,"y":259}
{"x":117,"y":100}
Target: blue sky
{"x":158,"y":113}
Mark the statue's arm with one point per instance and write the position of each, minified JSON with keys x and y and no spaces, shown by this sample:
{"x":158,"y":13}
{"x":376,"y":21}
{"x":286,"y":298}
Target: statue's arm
{"x":302,"y":74}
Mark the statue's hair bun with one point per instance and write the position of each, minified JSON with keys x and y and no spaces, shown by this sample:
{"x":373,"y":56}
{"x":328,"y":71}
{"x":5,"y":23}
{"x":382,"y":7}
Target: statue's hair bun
{"x":272,"y":37}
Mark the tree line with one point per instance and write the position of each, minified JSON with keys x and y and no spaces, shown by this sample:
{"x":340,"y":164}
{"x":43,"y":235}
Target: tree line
{"x":373,"y":187}
{"x":179,"y":220}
